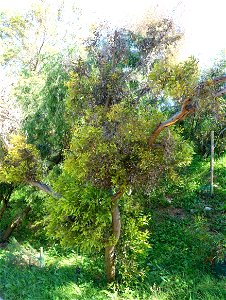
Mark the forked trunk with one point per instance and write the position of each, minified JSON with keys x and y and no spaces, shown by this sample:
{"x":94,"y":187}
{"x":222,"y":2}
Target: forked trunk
{"x":110,"y":254}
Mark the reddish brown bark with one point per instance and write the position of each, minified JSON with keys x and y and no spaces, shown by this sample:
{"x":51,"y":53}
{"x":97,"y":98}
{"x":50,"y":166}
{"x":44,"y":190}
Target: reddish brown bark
{"x":186,"y":109}
{"x":110,"y":255}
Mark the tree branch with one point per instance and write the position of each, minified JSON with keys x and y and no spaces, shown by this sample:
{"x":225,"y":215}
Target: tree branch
{"x":219,"y":79}
{"x":45,"y":188}
{"x":186,"y":109}
{"x":221,"y":93}
{"x":116,"y":196}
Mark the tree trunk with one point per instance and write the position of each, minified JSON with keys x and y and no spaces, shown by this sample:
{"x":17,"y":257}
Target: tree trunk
{"x":110,"y":254}
{"x":110,"y":262}
{"x":15,"y":223}
{"x":3,"y":208}
{"x":211,"y":163}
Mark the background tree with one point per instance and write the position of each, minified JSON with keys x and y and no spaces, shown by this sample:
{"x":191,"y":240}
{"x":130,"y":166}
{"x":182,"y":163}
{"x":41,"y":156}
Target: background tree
{"x":198,"y":127}
{"x":27,"y":37}
{"x":30,"y":46}
{"x":42,"y":99}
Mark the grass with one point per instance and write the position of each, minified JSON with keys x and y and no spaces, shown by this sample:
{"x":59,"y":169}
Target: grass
{"x":58,"y":280}
{"x":184,"y":240}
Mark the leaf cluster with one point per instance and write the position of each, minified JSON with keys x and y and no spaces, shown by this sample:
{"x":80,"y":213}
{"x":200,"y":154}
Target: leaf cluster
{"x":176,"y":80}
{"x":110,"y":150}
{"x":21,"y":163}
{"x":81,"y":218}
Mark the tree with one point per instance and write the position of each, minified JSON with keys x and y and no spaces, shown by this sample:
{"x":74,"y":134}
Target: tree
{"x":116,"y":145}
{"x":199,"y":126}
{"x":26,"y":38}
{"x":109,"y":151}
{"x":30,"y":46}
{"x":119,"y":93}
{"x":42,"y":99}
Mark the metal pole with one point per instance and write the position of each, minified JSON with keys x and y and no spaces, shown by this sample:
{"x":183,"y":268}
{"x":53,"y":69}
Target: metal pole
{"x":211,"y":163}
{"x":41,"y":257}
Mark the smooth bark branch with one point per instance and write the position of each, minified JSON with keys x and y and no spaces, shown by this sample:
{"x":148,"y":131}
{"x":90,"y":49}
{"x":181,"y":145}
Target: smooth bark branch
{"x":45,"y":188}
{"x":219,"y":79}
{"x":186,"y":109}
{"x":221,"y":93}
{"x":15,"y":223}
{"x":117,"y":196}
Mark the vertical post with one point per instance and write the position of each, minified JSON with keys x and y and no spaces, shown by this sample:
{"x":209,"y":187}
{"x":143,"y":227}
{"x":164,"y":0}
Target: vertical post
{"x":41,"y":258}
{"x":211,"y":163}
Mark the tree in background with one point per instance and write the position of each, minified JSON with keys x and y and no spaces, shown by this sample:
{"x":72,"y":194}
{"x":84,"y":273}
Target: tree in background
{"x":32,"y":96}
{"x":27,"y":37}
{"x":203,"y":121}
{"x":42,"y":98}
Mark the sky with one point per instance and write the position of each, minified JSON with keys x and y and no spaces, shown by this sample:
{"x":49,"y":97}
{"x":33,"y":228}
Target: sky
{"x":203,"y":21}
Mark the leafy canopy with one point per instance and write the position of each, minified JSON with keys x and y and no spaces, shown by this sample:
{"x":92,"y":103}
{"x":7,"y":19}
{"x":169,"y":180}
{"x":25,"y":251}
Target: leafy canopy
{"x":111,"y":112}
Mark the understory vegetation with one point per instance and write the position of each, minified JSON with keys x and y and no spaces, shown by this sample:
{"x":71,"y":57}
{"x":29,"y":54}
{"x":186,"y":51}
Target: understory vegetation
{"x":185,"y":258}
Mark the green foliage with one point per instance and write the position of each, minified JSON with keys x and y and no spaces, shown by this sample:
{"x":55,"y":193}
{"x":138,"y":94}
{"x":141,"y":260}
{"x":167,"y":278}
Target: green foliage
{"x":60,"y":280}
{"x":59,"y":273}
{"x":28,"y":36}
{"x":92,"y":118}
{"x":210,"y":114}
{"x":134,"y":242}
{"x":42,"y":98}
{"x":179,"y":245}
{"x":81,"y":218}
{"x":11,"y":28}
{"x":177,"y":80}
{"x":107,"y":152}
{"x":110,"y":150}
{"x":22,"y":162}
{"x":109,"y":141}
